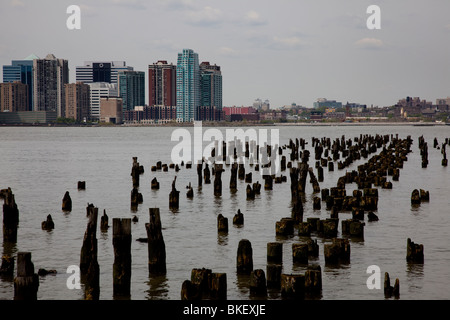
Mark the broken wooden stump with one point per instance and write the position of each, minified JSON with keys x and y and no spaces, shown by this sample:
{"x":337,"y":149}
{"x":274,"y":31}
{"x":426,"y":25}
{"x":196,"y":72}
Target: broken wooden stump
{"x":284,"y":227}
{"x":273,"y":272}
{"x":353,"y":228}
{"x":218,"y":170}
{"x":81,"y":185}
{"x":190,"y":192}
{"x":218,"y":286}
{"x":104,"y":222}
{"x":238,"y":218}
{"x":135,"y":172}
{"x":207,"y":174}
{"x":313,"y":248}
{"x":258,"y":285}
{"x":222,"y":224}
{"x":275,"y":252}
{"x":293,"y":286}
{"x":424,"y":196}
{"x":256,"y":187}
{"x":44,"y":272}
{"x":26,"y":282}
{"x":67,"y":202}
{"x":156,"y":245}
{"x":415,"y":197}
{"x":10,"y":216}
{"x":122,"y":257}
{"x":250,"y":193}
{"x":414,"y":252}
{"x":372,"y":216}
{"x":313,"y":280}
{"x":304,"y":229}
{"x":338,"y":251}
{"x":136,"y":198}
{"x":155,"y":184}
{"x":300,"y":253}
{"x":316,"y":203}
{"x":7,"y":266}
{"x":244,"y":260}
{"x":174,"y":196}
{"x":389,"y":290}
{"x":233,"y":177}
{"x":89,"y":267}
{"x":48,"y":224}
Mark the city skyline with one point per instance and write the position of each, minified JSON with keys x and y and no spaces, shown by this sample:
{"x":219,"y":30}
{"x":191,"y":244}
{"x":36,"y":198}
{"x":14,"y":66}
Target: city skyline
{"x":285,"y":52}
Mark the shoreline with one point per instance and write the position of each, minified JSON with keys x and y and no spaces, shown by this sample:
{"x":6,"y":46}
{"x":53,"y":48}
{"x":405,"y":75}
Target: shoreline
{"x":236,"y":124}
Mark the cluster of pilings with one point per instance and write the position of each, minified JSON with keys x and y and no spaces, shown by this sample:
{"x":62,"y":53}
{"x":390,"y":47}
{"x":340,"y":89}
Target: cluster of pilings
{"x":419,"y":196}
{"x":136,"y":196}
{"x":423,"y":146}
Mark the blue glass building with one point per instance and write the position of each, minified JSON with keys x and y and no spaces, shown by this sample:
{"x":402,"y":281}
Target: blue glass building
{"x":131,"y":88}
{"x":188,"y":85}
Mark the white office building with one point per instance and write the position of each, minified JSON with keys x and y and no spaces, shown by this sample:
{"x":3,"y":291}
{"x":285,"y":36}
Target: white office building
{"x":100,"y":90}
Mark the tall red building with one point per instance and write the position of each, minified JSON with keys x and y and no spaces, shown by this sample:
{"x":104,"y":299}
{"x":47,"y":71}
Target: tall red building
{"x":162,"y":84}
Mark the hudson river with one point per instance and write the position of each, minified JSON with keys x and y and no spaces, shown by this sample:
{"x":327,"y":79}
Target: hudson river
{"x":40,"y":164}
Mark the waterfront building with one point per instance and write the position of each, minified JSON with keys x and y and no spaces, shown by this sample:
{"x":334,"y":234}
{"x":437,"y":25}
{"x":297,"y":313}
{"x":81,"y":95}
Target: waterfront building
{"x":188,"y":85}
{"x":131,"y":87}
{"x":162,"y":84}
{"x":49,"y":77}
{"x":78,"y":101}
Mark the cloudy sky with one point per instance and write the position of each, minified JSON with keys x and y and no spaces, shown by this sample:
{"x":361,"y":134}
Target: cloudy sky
{"x":285,"y":51}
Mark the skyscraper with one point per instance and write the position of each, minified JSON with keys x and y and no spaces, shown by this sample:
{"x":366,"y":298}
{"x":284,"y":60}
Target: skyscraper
{"x":49,"y":76}
{"x":21,"y":70}
{"x":131,"y":86}
{"x":210,"y":85}
{"x":100,"y":71}
{"x":77,"y":101}
{"x":162,"y":84}
{"x":99,"y":90}
{"x":188,"y":85}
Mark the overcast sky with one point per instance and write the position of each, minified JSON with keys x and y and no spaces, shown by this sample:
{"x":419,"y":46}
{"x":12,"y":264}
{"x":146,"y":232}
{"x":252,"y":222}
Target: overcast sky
{"x":285,"y":51}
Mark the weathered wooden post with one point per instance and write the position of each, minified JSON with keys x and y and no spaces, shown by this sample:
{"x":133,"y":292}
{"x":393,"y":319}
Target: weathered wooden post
{"x":218,"y":286}
{"x":388,"y":289}
{"x":313,"y":280}
{"x":104,"y":222}
{"x":293,"y":286}
{"x":199,"y":173}
{"x":244,"y":261}
{"x":174,"y":196}
{"x":241,"y":171}
{"x":155,"y":184}
{"x":48,"y":224}
{"x":258,"y":286}
{"x":233,"y":177}
{"x":300,"y":253}
{"x":218,"y":170}
{"x":26,"y":283}
{"x":207,"y":174}
{"x":222,"y":224}
{"x":414,"y":252}
{"x":156,"y":245}
{"x":135,"y":172}
{"x":10,"y":216}
{"x":122,"y":257}
{"x":238,"y":218}
{"x":274,"y":275}
{"x":190,"y":192}
{"x":67,"y":202}
{"x":7,"y":266}
{"x":89,"y":267}
{"x":275,"y":252}
{"x":250,"y":193}
{"x":81,"y":185}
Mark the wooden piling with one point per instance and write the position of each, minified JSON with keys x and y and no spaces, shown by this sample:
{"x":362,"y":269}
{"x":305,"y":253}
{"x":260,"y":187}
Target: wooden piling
{"x":122,"y":257}
{"x":156,"y":245}
{"x":233,"y":177}
{"x":7,"y":266}
{"x":222,"y":224}
{"x":174,"y":196}
{"x":218,"y":170}
{"x":275,"y":252}
{"x":313,"y":280}
{"x":67,"y":202}
{"x":293,"y":286}
{"x":10,"y":216}
{"x":244,"y":260}
{"x":89,"y":267}
{"x":238,"y":218}
{"x":414,"y":252}
{"x":258,"y":285}
{"x":48,"y":224}
{"x":26,"y":282}
{"x":104,"y":220}
{"x":300,"y":253}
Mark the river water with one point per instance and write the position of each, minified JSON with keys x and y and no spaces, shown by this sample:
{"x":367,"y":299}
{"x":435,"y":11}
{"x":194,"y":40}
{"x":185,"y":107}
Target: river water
{"x":41,"y":163}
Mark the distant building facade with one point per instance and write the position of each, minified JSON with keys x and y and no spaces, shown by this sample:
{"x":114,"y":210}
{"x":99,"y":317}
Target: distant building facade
{"x":162,"y":84}
{"x":101,"y":71}
{"x":21,"y":70}
{"x":97,"y":91}
{"x":322,"y":102}
{"x":111,"y":110}
{"x":13,"y":97}
{"x":210,"y":85}
{"x":78,"y":101}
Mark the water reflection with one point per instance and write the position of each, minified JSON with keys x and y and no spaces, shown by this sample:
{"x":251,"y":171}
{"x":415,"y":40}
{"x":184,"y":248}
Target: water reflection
{"x":159,"y":288}
{"x":243,"y":283}
{"x":222,"y":238}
